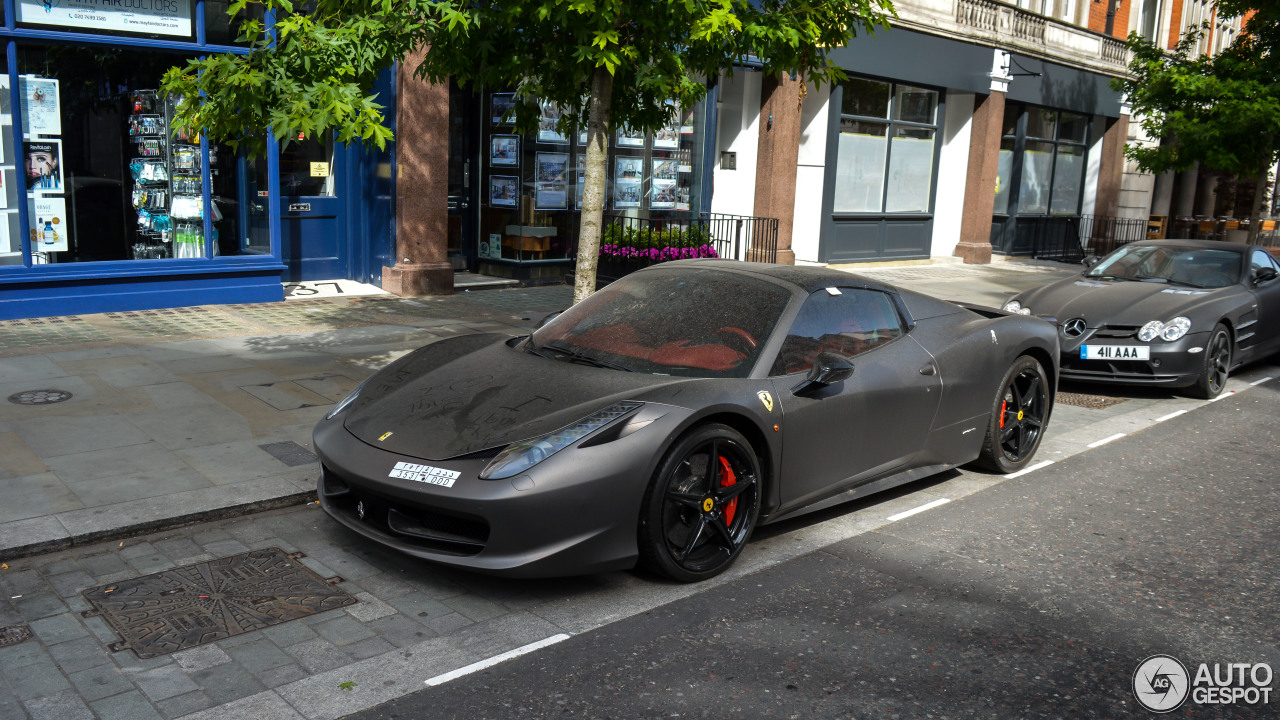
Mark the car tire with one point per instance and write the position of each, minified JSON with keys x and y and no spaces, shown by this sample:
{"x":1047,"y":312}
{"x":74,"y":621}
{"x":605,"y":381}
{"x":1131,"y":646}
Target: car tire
{"x":1217,"y":365}
{"x":1019,"y":414}
{"x":701,"y":505}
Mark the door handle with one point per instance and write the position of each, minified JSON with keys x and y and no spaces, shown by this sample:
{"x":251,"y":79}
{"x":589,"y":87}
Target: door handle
{"x":928,"y":369}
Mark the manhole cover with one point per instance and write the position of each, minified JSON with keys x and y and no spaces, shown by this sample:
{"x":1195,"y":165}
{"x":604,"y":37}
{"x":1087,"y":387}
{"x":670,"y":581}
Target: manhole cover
{"x":172,"y":610}
{"x":39,"y":397}
{"x":1093,"y":402}
{"x":14,"y":634}
{"x":290,"y":453}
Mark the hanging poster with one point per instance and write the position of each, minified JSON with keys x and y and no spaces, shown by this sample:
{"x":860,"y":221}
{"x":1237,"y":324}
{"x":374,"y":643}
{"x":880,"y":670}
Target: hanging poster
{"x":503,"y":108}
{"x":668,"y":136}
{"x":7,"y":247}
{"x":662,"y":191}
{"x":4,"y":194}
{"x":551,"y":177}
{"x":504,"y":191}
{"x":152,"y":17}
{"x":41,"y":114}
{"x":582,"y":178}
{"x":43,"y":160}
{"x":550,"y":118}
{"x":630,"y":137}
{"x":627,"y":174}
{"x":504,"y":149}
{"x":48,"y":217}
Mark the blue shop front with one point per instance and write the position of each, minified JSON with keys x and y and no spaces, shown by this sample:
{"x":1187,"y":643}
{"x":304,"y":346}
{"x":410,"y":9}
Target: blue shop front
{"x":104,"y":207}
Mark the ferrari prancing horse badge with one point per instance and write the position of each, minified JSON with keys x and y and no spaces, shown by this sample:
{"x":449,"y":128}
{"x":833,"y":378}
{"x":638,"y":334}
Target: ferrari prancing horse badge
{"x":767,"y":399}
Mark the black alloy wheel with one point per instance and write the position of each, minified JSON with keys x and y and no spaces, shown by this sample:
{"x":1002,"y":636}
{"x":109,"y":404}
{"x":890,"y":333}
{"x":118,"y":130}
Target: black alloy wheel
{"x":1018,"y":417}
{"x":701,"y":506}
{"x":1217,"y":365}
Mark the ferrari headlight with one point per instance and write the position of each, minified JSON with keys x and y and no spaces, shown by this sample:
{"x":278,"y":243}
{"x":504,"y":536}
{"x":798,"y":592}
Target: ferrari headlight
{"x":1013,"y":306}
{"x":1150,"y":331}
{"x":520,"y":456}
{"x":344,"y":402}
{"x":1175,"y":328}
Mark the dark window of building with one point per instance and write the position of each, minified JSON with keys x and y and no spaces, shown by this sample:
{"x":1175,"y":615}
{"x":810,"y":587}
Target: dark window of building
{"x":886,"y":160}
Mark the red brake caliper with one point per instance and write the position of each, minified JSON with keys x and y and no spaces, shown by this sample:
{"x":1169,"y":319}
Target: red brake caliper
{"x":727,"y":478}
{"x":1004,"y":405}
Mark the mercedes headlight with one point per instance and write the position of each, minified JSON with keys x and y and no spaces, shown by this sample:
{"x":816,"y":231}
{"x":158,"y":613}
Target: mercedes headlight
{"x":1175,"y":328}
{"x":520,"y":456}
{"x":1013,"y":306}
{"x":344,"y":402}
{"x":1170,"y":331}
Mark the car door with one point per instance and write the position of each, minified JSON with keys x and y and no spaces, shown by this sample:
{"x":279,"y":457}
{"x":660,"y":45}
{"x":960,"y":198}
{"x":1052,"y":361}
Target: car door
{"x":866,"y":426}
{"x":1267,"y":292}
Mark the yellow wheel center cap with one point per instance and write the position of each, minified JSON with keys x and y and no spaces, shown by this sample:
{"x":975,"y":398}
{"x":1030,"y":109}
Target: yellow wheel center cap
{"x":1020,"y":413}
{"x":708,"y":504}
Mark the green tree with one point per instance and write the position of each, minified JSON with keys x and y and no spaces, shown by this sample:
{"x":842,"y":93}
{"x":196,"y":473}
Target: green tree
{"x":604,"y":62}
{"x":1221,"y":111}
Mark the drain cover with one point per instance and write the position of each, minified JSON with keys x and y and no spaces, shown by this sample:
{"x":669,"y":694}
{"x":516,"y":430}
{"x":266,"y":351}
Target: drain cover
{"x":290,"y":453}
{"x":1093,"y":402}
{"x":39,"y":397}
{"x":172,"y":610}
{"x":14,"y":634}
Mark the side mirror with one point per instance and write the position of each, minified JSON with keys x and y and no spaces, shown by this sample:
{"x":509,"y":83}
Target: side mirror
{"x":547,"y":319}
{"x":828,"y":369}
{"x":1089,"y":261}
{"x":1265,"y":274}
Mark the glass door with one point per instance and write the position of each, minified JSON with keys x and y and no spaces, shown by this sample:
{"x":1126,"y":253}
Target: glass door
{"x":313,"y":239}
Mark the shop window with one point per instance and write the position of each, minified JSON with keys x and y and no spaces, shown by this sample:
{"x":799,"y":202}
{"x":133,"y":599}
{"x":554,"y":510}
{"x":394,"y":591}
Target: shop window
{"x":885,"y":158}
{"x":532,"y":184}
{"x":1052,"y":153}
{"x":10,"y":229}
{"x":108,"y":176}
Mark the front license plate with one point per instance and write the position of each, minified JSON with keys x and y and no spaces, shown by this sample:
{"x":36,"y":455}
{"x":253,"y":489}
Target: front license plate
{"x":1115,"y":352}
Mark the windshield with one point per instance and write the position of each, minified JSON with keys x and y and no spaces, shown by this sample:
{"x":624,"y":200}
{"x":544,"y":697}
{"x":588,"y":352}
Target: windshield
{"x":1193,"y":267}
{"x":676,"y":321}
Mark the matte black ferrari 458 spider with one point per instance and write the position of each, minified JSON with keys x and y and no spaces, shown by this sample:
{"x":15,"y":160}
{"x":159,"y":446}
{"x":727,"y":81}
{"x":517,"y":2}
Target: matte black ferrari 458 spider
{"x":1175,"y":313}
{"x":671,"y":412}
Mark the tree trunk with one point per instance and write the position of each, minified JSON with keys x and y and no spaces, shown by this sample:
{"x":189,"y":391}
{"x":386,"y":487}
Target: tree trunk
{"x":593,"y":185}
{"x":1255,"y":213}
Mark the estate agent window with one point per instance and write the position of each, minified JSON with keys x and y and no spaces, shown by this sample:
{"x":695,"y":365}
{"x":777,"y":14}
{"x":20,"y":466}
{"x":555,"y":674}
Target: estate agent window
{"x":885,"y":160}
{"x":1053,"y":154}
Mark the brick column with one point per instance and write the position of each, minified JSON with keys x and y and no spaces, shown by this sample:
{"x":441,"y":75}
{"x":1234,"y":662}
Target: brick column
{"x":1111,"y":169}
{"x":778,"y":156}
{"x":422,"y":187}
{"x":980,"y":182}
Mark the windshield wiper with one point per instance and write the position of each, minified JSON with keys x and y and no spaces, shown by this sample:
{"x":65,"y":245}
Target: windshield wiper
{"x":1111,"y":277}
{"x":576,"y":356}
{"x":1184,"y":283}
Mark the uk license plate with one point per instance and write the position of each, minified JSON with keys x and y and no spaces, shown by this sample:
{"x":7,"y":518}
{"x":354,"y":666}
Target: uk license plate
{"x":1115,"y":352}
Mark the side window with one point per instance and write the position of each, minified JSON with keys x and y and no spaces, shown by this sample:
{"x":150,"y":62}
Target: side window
{"x":1259,"y":260}
{"x":848,"y":324}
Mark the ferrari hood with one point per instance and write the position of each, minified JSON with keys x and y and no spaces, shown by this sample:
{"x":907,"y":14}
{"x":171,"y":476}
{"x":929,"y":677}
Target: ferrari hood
{"x":471,"y":393}
{"x":1114,"y":302}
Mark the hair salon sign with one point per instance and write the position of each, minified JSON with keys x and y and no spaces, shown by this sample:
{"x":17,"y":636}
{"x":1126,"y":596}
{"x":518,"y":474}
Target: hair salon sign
{"x":148,"y":17}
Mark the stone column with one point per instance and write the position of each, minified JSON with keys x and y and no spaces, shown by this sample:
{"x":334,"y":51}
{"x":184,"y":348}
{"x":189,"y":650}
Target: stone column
{"x":980,"y":182}
{"x":1111,"y":170}
{"x":1186,"y":206}
{"x":422,"y":186}
{"x":777,"y":157}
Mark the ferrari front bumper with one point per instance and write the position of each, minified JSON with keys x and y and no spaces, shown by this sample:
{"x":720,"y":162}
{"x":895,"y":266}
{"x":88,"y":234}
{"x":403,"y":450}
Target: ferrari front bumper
{"x":574,"y":513}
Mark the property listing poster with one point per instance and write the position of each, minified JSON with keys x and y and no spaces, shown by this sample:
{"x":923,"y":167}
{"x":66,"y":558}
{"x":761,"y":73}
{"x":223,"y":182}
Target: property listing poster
{"x":627,"y":175}
{"x":551,"y":171}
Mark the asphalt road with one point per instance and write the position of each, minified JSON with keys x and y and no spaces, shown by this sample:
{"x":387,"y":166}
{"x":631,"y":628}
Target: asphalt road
{"x":1038,"y":597}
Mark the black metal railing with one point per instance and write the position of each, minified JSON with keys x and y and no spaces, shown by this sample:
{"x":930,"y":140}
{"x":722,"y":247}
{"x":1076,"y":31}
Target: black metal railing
{"x":1070,"y":239}
{"x":629,"y":243}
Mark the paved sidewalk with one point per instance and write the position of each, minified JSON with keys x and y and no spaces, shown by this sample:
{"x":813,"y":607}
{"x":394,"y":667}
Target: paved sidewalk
{"x":181,"y":415}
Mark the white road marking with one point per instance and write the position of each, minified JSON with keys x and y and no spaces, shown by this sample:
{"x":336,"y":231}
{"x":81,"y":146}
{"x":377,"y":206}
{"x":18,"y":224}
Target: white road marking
{"x":490,"y":662}
{"x":1171,"y":415}
{"x":922,"y":508}
{"x":1029,"y":469}
{"x":1259,"y":382}
{"x":1224,"y":395}
{"x":1105,"y":440}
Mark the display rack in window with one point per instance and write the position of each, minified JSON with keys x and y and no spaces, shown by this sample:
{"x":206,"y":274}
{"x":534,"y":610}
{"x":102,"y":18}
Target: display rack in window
{"x":168,"y":176}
